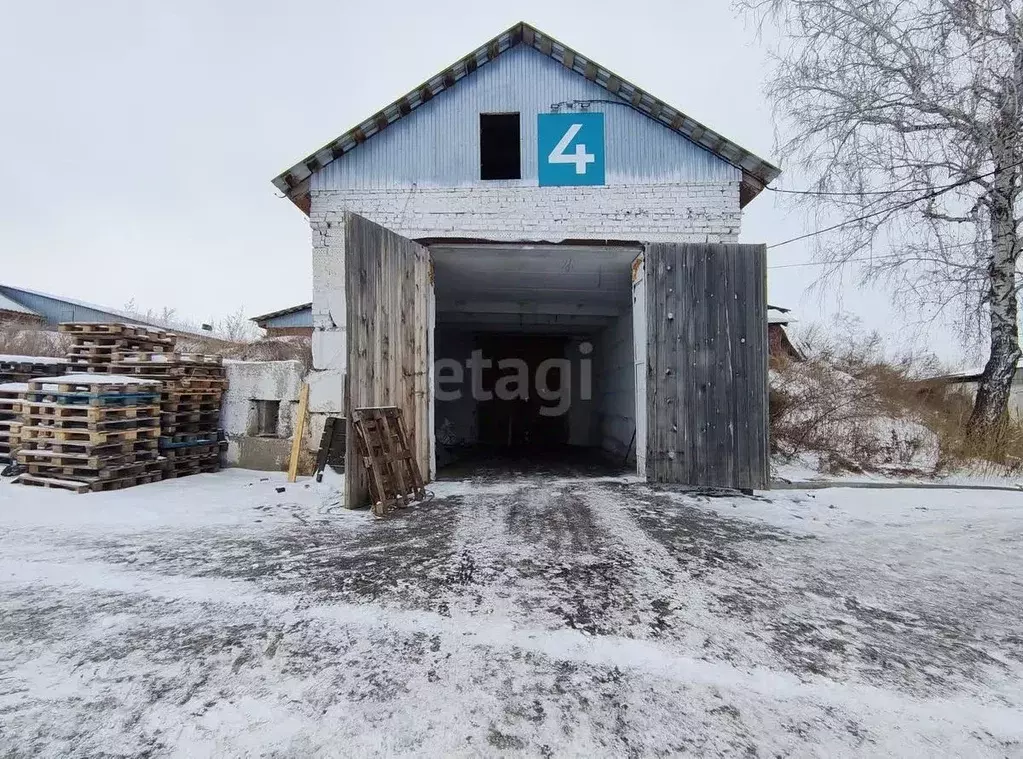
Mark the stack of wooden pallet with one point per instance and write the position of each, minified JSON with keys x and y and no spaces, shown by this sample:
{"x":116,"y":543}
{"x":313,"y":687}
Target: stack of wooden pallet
{"x":93,"y":345}
{"x":90,"y":432}
{"x":24,"y":368}
{"x":11,"y":396}
{"x":191,"y":440}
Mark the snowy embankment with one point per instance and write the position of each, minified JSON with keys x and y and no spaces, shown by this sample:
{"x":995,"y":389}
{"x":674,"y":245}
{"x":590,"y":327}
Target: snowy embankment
{"x":214,"y":615}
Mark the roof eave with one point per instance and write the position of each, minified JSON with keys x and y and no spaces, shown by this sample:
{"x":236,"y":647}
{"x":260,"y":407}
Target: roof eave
{"x":281,"y":312}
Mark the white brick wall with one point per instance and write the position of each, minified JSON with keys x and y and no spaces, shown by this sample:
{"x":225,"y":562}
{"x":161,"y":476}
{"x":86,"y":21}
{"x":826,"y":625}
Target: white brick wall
{"x":696,"y":212}
{"x":690,"y":212}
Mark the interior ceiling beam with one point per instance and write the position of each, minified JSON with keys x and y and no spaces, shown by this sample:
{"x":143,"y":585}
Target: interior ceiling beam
{"x":449,"y":317}
{"x":530,"y":307}
{"x":517,"y":291}
{"x":526,"y":329}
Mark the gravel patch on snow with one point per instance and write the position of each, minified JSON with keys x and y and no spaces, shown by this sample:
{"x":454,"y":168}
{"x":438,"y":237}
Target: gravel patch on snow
{"x":540,"y":615}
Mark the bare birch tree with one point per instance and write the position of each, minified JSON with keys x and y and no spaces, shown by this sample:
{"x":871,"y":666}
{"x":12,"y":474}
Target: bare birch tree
{"x":907,"y":116}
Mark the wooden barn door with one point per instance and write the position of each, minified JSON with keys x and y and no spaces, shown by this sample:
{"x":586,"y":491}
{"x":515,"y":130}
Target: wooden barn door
{"x":707,"y":365}
{"x":389,"y":295}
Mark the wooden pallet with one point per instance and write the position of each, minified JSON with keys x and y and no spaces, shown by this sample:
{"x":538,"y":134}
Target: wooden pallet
{"x":206,"y":431}
{"x":86,"y":487}
{"x":49,"y":410}
{"x":89,"y":436}
{"x":198,"y":396}
{"x":170,"y":375}
{"x":10,"y":437}
{"x":42,"y":421}
{"x":387,"y":453}
{"x":190,"y":415}
{"x":88,"y":367}
{"x":172,"y":358}
{"x":32,"y":368}
{"x":116,"y":330}
{"x":188,"y":468}
{"x":197,"y":384}
{"x":92,"y":395}
{"x":190,"y":407}
{"x":58,"y":385}
{"x":89,"y":449}
{"x":90,"y":475}
{"x":187,"y":439}
{"x":85,"y":460}
{"x":199,"y":450}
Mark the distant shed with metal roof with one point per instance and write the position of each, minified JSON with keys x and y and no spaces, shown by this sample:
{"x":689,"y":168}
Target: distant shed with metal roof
{"x":11,"y":311}
{"x":297,"y":320}
{"x":54,"y":309}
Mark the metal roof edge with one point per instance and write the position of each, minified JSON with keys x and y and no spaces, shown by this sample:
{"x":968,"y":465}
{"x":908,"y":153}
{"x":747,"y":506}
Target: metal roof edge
{"x":756,"y":172}
{"x":282,"y":312}
{"x":112,"y":311}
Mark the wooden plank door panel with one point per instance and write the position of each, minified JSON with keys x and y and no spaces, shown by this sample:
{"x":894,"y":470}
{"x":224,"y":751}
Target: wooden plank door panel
{"x":388,"y":288}
{"x":707,"y":352}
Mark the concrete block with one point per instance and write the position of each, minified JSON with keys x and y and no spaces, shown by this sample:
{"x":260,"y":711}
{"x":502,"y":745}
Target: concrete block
{"x":325,"y":391}
{"x":330,"y":349}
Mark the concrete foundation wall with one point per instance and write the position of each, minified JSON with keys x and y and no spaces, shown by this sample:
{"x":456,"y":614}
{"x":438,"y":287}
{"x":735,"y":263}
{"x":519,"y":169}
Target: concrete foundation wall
{"x":614,"y":372}
{"x":248,"y":383}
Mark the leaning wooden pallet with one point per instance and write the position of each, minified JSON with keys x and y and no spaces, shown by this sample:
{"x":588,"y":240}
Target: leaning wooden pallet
{"x":89,"y":432}
{"x":387,"y":451}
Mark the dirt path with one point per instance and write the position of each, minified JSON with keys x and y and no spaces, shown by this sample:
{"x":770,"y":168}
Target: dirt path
{"x":537,"y":615}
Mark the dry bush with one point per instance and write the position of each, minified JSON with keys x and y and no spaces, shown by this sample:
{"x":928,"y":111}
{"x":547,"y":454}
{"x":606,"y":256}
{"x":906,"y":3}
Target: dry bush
{"x":17,"y":340}
{"x":851,"y":407}
{"x":857,"y":408}
{"x":287,"y":348}
{"x":997,"y":454}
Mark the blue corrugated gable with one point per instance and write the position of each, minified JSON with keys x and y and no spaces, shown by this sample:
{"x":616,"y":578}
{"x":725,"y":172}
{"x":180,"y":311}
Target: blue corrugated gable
{"x":639,"y":150}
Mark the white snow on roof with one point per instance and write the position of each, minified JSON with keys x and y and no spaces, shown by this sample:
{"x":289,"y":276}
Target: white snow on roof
{"x":7,"y":358}
{"x":14,"y":387}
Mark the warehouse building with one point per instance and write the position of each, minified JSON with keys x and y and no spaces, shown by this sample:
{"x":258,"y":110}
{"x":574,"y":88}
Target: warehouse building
{"x":529,"y":206}
{"x":20,"y":306}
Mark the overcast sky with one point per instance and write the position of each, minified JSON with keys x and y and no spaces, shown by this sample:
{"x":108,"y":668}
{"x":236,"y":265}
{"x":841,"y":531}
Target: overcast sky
{"x":139,"y":139}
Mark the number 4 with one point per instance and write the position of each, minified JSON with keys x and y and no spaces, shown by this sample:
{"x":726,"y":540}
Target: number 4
{"x":580,"y":157}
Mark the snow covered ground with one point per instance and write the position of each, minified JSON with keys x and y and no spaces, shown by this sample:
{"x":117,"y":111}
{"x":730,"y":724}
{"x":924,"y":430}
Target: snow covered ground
{"x":529,"y":614}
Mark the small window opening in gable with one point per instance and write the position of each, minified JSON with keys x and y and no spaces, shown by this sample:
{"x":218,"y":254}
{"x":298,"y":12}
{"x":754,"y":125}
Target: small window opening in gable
{"x":267,"y":415}
{"x":500,"y":146}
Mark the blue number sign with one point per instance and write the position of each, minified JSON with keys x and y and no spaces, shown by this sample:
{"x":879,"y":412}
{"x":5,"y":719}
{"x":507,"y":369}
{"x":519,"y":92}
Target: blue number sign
{"x":571,"y":148}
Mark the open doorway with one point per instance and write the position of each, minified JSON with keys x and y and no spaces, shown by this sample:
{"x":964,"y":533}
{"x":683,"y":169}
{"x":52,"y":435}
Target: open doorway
{"x":534,"y":356}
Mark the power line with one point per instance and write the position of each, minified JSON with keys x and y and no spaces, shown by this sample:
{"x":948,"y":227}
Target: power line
{"x":832,"y":263}
{"x":896,"y":207}
{"x":827,"y":193}
{"x":908,"y":257}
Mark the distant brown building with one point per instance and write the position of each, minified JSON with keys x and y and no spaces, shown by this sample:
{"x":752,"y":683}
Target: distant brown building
{"x":779,"y":343}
